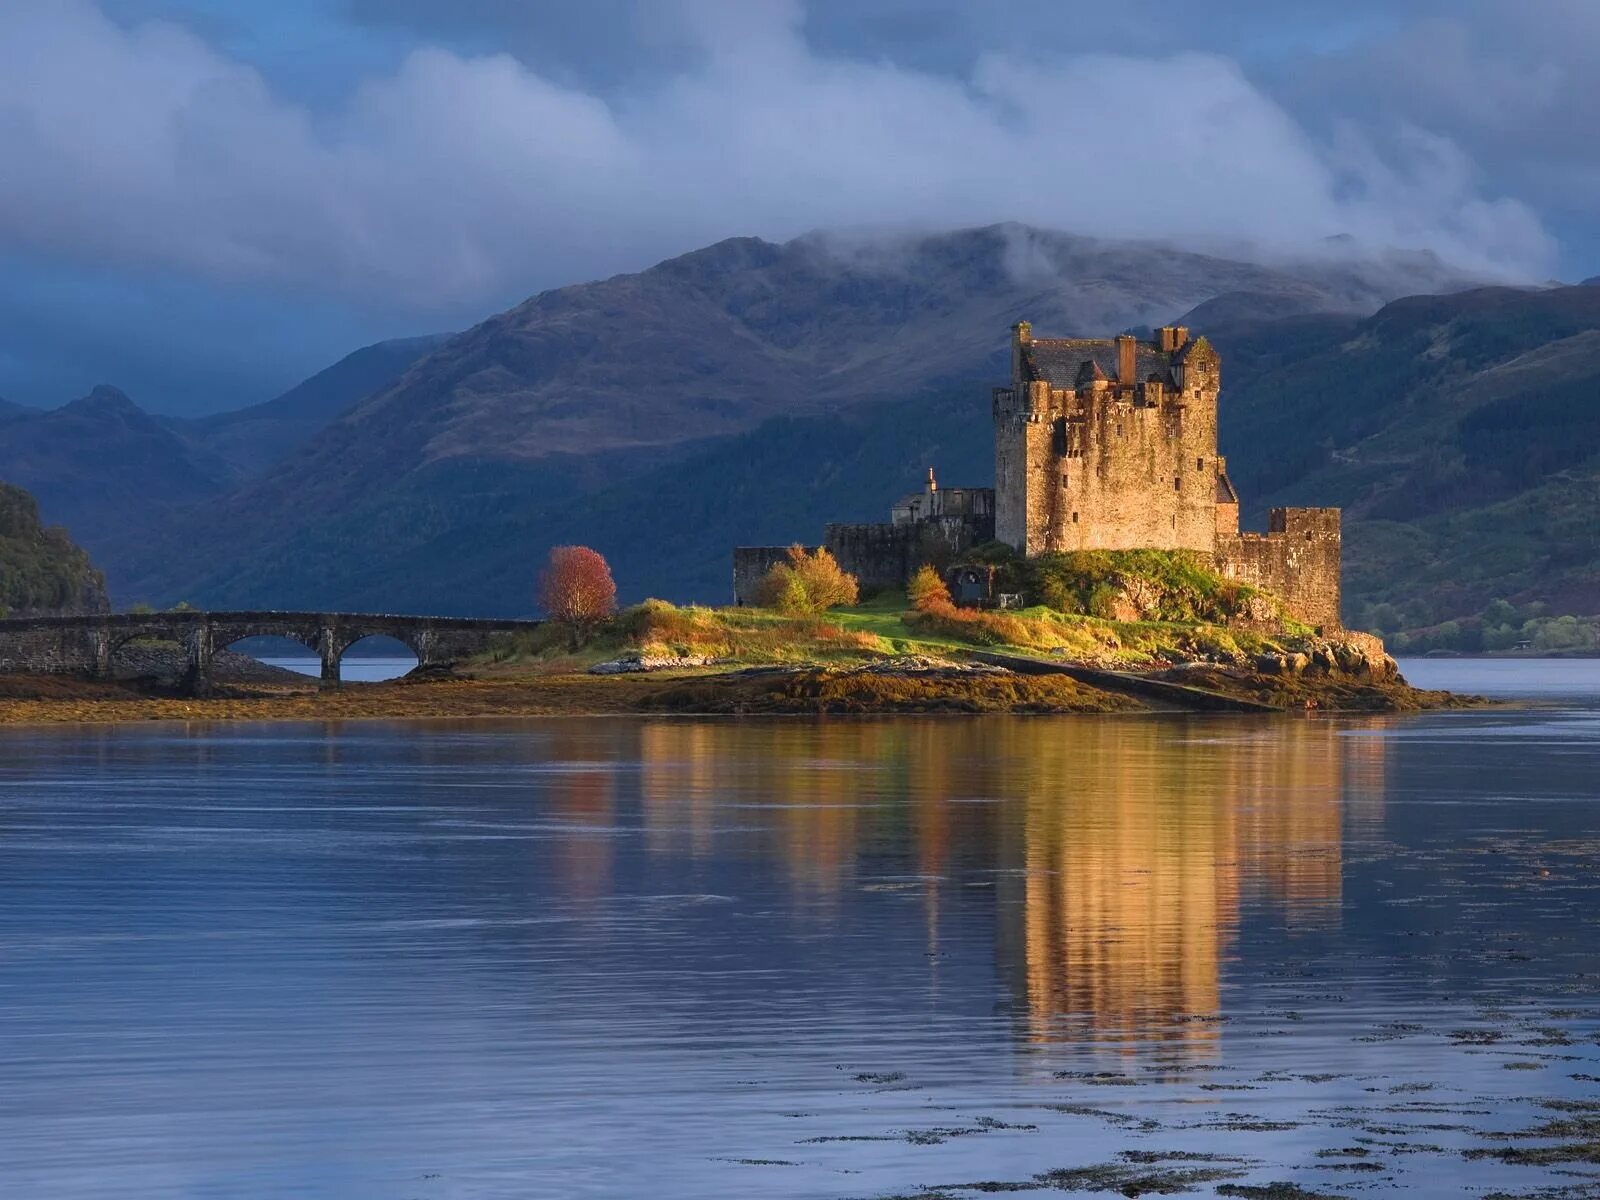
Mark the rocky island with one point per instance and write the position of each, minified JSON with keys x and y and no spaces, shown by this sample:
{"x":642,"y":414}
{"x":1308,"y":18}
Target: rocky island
{"x":1202,"y":644}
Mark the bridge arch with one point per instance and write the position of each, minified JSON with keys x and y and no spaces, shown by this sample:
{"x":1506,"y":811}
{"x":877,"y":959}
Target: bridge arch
{"x":118,"y":659}
{"x":395,"y":650}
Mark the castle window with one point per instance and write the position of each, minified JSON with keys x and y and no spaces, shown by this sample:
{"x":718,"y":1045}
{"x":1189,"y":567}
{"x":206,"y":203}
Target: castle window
{"x":1074,"y":518}
{"x":1063,"y":479}
{"x":1177,"y":483}
{"x":1199,"y":464}
{"x":1119,"y":428}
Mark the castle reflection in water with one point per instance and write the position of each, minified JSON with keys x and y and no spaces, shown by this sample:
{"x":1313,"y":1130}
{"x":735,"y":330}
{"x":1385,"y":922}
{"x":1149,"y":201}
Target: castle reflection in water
{"x":1119,"y":854}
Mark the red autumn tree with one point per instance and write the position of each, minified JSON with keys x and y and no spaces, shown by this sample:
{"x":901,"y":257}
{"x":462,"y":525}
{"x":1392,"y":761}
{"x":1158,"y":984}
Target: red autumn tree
{"x":576,"y":588}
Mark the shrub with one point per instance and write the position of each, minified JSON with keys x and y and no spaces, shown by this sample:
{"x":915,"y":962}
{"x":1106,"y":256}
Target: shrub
{"x":927,"y":592}
{"x":1163,"y":585}
{"x":809,"y":582}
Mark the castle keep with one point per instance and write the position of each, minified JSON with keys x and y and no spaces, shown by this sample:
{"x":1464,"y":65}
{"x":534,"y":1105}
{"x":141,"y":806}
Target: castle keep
{"x":1100,"y":444}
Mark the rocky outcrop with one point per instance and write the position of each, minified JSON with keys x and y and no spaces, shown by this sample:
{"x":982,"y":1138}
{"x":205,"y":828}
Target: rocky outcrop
{"x":1349,"y":655}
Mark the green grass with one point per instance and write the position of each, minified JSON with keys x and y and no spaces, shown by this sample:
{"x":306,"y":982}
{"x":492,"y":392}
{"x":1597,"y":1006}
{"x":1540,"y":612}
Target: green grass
{"x":880,"y":627}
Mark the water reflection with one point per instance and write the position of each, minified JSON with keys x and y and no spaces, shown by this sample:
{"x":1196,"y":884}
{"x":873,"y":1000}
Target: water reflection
{"x":1118,"y":848}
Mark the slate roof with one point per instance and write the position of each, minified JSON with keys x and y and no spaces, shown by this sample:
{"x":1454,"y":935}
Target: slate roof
{"x":1225,"y":492}
{"x":1071,"y":362}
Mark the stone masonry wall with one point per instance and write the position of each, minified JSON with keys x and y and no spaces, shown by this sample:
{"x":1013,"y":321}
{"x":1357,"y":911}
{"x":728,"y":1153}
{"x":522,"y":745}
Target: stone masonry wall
{"x":885,"y":556}
{"x":1297,"y":559}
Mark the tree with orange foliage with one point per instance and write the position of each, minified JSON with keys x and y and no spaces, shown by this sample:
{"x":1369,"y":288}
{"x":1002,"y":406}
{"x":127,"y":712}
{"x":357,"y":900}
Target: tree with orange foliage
{"x":928,"y":593}
{"x":809,"y":582}
{"x":576,"y":589}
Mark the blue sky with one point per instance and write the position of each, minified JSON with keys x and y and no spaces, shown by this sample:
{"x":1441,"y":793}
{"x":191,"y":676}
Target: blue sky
{"x":213,"y":199}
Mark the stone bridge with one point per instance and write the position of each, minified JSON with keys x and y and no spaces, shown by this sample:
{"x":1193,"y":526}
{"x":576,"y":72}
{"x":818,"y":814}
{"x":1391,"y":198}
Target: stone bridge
{"x":85,"y":645}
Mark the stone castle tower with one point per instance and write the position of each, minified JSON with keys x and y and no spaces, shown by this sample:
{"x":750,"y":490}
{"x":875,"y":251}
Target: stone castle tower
{"x":1108,"y":444}
{"x":1111,"y":444}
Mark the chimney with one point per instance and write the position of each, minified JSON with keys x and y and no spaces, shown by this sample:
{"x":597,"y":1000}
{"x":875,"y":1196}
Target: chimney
{"x":1180,"y":337}
{"x":933,"y":485}
{"x":1164,"y":337}
{"x":1127,"y":349}
{"x":1021,"y":335}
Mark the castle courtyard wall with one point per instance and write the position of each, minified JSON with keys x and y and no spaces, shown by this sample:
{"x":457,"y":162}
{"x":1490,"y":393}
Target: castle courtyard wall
{"x":1297,"y":559}
{"x":884,"y":556}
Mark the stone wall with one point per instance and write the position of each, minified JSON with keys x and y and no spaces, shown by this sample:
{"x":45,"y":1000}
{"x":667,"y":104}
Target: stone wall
{"x":1297,"y":560}
{"x":885,"y":555}
{"x":879,"y":554}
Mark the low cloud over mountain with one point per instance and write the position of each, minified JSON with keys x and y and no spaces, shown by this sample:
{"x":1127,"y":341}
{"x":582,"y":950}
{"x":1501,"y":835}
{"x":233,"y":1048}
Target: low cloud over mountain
{"x":449,"y":175}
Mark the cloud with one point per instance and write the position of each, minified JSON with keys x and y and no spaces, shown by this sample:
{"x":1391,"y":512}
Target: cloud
{"x":457,"y":176}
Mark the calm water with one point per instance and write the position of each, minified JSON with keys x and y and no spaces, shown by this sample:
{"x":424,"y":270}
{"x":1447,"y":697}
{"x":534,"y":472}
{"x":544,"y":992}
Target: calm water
{"x":690,"y":959}
{"x":354,"y":668}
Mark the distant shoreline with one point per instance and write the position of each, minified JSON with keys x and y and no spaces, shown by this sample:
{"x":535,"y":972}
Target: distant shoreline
{"x":1495,"y":656}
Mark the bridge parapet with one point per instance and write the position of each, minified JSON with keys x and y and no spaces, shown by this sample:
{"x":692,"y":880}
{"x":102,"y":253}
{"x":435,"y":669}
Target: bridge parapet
{"x":85,"y":645}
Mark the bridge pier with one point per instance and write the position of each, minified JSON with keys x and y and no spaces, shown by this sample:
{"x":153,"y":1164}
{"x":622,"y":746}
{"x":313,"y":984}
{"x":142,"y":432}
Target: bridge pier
{"x":98,"y":640}
{"x":422,"y":645}
{"x":199,"y":647}
{"x":330,"y":649}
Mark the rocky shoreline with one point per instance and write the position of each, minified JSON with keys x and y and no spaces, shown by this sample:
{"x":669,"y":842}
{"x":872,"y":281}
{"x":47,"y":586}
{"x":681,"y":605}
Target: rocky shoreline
{"x":913,"y":684}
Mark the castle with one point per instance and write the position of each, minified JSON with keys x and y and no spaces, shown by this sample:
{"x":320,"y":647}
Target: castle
{"x":1100,"y":444}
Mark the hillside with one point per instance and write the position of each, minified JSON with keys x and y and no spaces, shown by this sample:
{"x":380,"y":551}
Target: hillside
{"x":41,"y":570}
{"x":1460,"y":433}
{"x":252,"y":439}
{"x":625,"y":392}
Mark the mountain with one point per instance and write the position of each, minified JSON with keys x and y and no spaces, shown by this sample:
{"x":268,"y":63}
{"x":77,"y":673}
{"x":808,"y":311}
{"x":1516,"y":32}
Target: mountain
{"x":1460,"y":433}
{"x":252,"y":439}
{"x":41,"y":571}
{"x":105,"y":468}
{"x":614,"y":390}
{"x":114,"y":474}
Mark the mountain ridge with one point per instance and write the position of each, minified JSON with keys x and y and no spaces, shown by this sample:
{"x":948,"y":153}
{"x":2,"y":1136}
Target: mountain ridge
{"x":637,"y":371}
